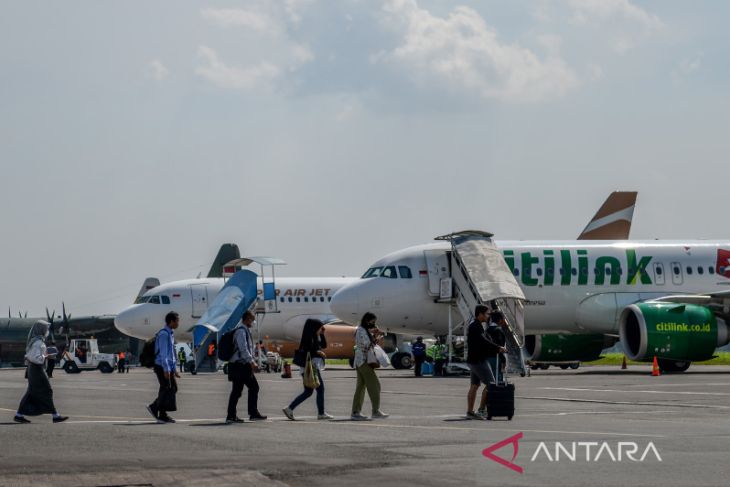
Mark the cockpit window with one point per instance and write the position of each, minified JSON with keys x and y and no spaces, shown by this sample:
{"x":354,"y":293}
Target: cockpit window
{"x":389,"y":272}
{"x":405,"y":272}
{"x":165,"y":299}
{"x":154,"y":300}
{"x":372,"y":272}
{"x":141,"y":299}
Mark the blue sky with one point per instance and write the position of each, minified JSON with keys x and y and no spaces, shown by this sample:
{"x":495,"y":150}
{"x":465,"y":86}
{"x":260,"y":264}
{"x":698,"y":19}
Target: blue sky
{"x":136,"y":137}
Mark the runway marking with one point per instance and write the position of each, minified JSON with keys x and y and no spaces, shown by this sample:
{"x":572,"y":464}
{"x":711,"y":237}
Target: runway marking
{"x":686,"y":393}
{"x":627,"y":403}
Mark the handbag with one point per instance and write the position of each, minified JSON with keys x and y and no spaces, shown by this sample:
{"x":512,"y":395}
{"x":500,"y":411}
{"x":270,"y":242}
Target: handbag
{"x":372,"y":358}
{"x":310,"y":377}
{"x":167,"y":399}
{"x":381,"y":356}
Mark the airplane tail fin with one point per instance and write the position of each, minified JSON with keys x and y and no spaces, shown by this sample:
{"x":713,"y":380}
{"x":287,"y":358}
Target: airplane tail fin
{"x":613,"y":220}
{"x":227,"y":253}
{"x":149,"y":283}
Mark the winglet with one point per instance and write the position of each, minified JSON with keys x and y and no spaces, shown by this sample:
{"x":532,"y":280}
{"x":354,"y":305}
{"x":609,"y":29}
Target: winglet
{"x":613,"y":220}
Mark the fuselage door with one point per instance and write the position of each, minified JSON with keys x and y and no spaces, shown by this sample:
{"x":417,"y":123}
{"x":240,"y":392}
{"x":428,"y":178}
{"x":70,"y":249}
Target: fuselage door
{"x":677,"y":274}
{"x":199,"y":293}
{"x":437,"y":263}
{"x":658,"y":273}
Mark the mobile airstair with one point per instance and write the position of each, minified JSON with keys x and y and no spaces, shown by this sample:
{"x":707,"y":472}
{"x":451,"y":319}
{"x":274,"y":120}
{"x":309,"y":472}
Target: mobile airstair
{"x":480,"y":275}
{"x":239,"y":294}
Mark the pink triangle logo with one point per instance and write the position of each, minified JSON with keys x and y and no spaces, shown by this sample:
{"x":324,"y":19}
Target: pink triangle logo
{"x":514,"y":441}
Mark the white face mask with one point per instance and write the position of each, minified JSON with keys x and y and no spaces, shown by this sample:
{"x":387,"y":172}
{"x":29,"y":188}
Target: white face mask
{"x":253,"y":323}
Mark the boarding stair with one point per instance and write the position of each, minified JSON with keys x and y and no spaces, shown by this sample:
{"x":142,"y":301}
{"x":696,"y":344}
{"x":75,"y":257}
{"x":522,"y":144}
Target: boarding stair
{"x":480,"y":275}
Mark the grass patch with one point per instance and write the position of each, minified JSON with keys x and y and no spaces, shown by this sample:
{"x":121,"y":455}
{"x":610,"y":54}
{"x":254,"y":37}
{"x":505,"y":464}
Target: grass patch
{"x":723,"y":358}
{"x":337,"y":361}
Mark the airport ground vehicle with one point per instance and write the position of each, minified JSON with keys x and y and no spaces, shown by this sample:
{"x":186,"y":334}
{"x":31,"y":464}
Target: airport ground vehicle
{"x":83,"y":354}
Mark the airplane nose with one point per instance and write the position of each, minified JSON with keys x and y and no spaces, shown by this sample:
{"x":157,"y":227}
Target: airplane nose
{"x":127,"y":320}
{"x":345,"y":304}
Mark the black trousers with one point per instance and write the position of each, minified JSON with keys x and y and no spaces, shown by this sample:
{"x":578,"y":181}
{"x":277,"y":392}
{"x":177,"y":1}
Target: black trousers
{"x":242,"y":375}
{"x":50,"y":364}
{"x":166,"y":395}
{"x":417,"y":363}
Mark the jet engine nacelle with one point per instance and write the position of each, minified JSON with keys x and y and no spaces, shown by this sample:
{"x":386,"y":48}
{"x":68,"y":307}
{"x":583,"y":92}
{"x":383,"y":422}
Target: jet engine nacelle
{"x":566,"y":348}
{"x":670,"y":331}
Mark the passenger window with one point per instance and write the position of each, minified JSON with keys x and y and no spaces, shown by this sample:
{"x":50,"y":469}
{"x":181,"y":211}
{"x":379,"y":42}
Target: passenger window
{"x":405,"y":272}
{"x":165,"y":299}
{"x":372,"y":272}
{"x":608,"y":271}
{"x":711,"y":269}
{"x":574,"y":271}
{"x":659,"y":270}
{"x":676,"y":270}
{"x":154,"y":300}
{"x":299,"y":300}
{"x":321,"y":299}
{"x":306,"y":300}
{"x":516,"y":272}
{"x":689,"y":271}
{"x":700,"y":270}
{"x":329,"y":298}
{"x":389,"y":273}
{"x":290,"y":300}
{"x":539,"y":271}
{"x":281,"y":300}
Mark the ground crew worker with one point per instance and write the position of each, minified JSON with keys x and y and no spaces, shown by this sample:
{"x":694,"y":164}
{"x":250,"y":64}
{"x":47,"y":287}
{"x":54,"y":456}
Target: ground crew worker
{"x":211,"y":356}
{"x":181,"y":358}
{"x":122,"y":362}
{"x":418,"y":350}
{"x":438,"y":352}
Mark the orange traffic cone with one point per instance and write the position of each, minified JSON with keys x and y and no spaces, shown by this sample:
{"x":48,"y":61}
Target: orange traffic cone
{"x":623,"y":365}
{"x":655,"y":368}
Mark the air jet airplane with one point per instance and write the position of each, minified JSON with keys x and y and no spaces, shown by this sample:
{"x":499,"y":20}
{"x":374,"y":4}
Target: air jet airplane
{"x":663,"y":299}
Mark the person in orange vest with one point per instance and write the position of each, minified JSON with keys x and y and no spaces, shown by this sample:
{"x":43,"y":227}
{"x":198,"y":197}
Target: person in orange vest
{"x":211,"y":355}
{"x":121,"y":362}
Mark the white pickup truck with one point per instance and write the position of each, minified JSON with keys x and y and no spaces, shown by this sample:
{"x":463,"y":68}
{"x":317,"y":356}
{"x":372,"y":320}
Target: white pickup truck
{"x":83,"y":354}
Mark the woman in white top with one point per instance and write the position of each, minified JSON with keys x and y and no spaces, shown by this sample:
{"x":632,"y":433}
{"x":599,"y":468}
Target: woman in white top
{"x":38,"y":399}
{"x":365,"y":340}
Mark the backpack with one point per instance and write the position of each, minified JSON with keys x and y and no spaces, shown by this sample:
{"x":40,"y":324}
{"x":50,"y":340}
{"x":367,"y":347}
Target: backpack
{"x":149,"y":352}
{"x":226,"y":345}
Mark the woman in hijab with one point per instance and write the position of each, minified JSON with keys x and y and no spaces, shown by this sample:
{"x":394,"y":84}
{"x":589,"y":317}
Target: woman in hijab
{"x":38,"y":399}
{"x":312,"y":342}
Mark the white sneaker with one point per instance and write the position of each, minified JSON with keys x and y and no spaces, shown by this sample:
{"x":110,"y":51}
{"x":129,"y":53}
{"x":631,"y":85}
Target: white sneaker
{"x":359,"y":417}
{"x":325,"y":416}
{"x":288,"y":413}
{"x":379,"y":415}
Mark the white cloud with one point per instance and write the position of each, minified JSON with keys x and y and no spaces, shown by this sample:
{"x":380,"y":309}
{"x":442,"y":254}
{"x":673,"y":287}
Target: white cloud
{"x":224,"y":76}
{"x":237,"y":17}
{"x":690,"y":65}
{"x":586,"y":10}
{"x":156,"y":70}
{"x":462,"y":51}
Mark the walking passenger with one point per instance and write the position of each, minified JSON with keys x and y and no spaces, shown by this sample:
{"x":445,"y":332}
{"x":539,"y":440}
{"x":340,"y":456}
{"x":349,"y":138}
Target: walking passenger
{"x":418,"y":350}
{"x":312,"y":343}
{"x":365,"y":340}
{"x":38,"y":398}
{"x":165,"y":370}
{"x":479,"y":347}
{"x":241,"y":369}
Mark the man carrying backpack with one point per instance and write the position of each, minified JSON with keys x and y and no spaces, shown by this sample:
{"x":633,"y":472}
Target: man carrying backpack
{"x":241,"y":368}
{"x":165,"y":370}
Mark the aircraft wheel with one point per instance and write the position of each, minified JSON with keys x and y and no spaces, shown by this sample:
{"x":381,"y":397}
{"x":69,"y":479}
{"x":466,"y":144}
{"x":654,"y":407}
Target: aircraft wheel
{"x":564,"y":366}
{"x":544,"y":366}
{"x":574,"y":366}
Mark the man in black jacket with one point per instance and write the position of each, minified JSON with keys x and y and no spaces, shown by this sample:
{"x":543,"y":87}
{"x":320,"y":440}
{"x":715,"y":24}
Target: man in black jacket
{"x":479,"y":348}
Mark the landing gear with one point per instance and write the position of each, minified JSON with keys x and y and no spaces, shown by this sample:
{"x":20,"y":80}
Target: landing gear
{"x":673,"y":366}
{"x":401,"y":360}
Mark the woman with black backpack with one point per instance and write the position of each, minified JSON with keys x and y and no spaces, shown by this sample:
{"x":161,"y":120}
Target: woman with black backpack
{"x":310,"y":348}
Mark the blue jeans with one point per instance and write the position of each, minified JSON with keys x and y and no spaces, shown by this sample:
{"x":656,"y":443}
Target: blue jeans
{"x":308,"y":392}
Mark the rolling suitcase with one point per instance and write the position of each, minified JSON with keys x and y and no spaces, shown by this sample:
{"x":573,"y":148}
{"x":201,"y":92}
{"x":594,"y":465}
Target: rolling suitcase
{"x":500,"y":398}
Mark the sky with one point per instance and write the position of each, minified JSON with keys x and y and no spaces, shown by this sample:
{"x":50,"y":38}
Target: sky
{"x":136,"y":137}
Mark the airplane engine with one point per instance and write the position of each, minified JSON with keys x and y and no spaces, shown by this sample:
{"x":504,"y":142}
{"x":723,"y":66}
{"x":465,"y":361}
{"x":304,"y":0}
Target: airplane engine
{"x":340,"y":342}
{"x":566,"y":348}
{"x":674,"y":333}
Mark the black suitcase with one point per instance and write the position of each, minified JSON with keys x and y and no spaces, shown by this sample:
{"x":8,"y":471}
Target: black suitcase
{"x":500,"y":400}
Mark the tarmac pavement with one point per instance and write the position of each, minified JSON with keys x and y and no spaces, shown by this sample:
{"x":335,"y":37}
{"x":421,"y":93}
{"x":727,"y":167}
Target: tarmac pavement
{"x":594,"y":414}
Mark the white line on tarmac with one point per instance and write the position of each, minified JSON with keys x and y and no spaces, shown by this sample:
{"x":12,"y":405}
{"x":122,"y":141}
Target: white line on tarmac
{"x":627,"y":403}
{"x":674,"y":393}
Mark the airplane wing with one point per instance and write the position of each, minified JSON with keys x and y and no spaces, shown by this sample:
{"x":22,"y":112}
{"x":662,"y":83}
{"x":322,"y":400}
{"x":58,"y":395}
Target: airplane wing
{"x":718,"y":301}
{"x":612,"y":221}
